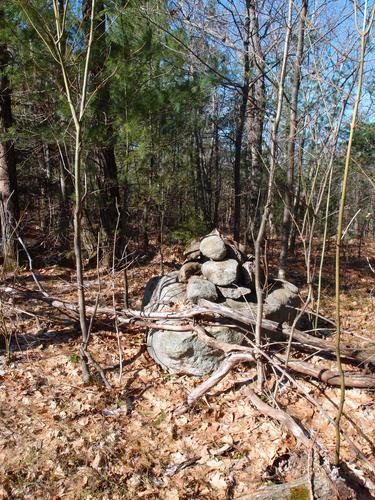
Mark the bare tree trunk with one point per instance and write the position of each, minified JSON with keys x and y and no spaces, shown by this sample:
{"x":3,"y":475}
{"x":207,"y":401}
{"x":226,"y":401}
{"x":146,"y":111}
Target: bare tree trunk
{"x":45,"y":188}
{"x":237,"y":162}
{"x":288,"y":201}
{"x":109,"y":199}
{"x":297,"y":198}
{"x":269,"y":200}
{"x":63,"y":218}
{"x":204,"y":181}
{"x":256,"y":111}
{"x":240,"y":131}
{"x":9,"y":210}
{"x":215,"y":217}
{"x":103,"y":153}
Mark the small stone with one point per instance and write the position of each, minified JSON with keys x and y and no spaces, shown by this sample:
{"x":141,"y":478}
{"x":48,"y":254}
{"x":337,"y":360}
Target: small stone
{"x":283,"y":302}
{"x":234,"y":293}
{"x":222,"y":273}
{"x":213,"y":247}
{"x":200,"y":288}
{"x":192,"y":251}
{"x":187,"y":270}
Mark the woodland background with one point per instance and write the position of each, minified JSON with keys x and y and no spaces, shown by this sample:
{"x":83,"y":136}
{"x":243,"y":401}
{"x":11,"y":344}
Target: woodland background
{"x":176,"y":137}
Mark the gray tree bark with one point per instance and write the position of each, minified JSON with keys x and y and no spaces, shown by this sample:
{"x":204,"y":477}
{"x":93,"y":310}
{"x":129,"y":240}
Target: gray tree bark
{"x":256,"y":112}
{"x":9,"y":209}
{"x":288,"y":200}
{"x":240,"y":129}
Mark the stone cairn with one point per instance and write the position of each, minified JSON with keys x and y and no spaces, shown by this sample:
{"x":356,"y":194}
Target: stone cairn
{"x":216,"y":269}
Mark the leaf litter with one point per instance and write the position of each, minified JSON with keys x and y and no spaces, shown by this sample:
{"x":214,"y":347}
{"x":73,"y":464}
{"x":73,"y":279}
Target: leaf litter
{"x":61,"y":438}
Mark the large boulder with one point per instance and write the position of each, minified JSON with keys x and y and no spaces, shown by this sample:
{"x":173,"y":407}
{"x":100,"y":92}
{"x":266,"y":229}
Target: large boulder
{"x":222,"y":273}
{"x":182,"y":351}
{"x":213,"y":247}
{"x":200,"y":288}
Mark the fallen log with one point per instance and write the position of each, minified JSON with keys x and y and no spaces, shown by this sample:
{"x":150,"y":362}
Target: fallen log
{"x":277,"y":331}
{"x":332,"y":377}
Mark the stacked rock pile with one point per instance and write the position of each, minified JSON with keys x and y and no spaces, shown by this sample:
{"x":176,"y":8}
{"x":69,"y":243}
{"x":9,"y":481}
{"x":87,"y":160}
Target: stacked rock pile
{"x":215,"y":269}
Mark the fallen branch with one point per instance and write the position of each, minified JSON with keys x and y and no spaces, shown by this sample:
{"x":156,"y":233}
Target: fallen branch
{"x":332,"y":377}
{"x":208,"y":310}
{"x":205,"y":310}
{"x":231,"y":361}
{"x":281,"y":416}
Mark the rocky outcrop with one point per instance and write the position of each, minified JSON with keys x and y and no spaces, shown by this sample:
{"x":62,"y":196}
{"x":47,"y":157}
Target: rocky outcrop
{"x":216,"y":269}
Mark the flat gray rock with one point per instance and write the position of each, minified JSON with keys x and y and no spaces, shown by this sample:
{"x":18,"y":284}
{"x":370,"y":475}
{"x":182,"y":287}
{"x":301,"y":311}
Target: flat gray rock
{"x":237,"y":292}
{"x":200,"y":288}
{"x":187,"y":270}
{"x":222,"y":273}
{"x":213,"y":247}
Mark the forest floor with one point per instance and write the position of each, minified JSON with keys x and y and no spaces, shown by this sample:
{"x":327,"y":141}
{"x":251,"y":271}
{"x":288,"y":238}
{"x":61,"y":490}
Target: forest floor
{"x":61,"y":438}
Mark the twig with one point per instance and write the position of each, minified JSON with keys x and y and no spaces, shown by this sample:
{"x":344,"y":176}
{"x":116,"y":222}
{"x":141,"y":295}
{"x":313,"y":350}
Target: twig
{"x":37,"y":282}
